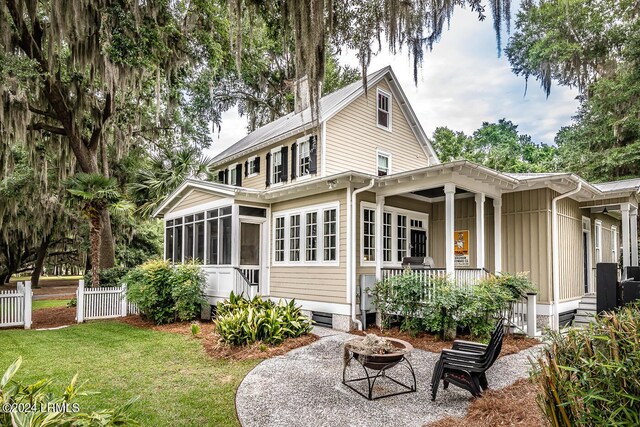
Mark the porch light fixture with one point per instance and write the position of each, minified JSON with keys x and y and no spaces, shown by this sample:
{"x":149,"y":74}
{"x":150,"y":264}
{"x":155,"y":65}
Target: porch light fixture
{"x":332,"y":183}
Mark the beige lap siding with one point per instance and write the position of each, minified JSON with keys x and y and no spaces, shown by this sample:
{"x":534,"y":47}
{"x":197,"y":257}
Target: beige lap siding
{"x":193,"y":199}
{"x":352,"y":137}
{"x":313,"y":283}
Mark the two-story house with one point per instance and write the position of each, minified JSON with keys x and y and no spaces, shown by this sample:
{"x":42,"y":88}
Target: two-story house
{"x":309,"y":209}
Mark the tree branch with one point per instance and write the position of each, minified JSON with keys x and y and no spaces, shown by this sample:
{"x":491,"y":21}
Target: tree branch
{"x":48,"y":128}
{"x":40,"y":112}
{"x":99,"y":127}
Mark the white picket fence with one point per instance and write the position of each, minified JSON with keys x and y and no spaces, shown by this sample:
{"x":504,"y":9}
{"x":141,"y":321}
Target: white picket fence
{"x":103,"y":303}
{"x":16,"y":306}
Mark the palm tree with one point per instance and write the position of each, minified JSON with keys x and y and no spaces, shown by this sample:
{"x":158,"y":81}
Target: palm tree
{"x":92,"y":193}
{"x":163,"y":172}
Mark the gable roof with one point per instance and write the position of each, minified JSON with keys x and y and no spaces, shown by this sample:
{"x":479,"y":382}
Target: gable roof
{"x":329,"y":105}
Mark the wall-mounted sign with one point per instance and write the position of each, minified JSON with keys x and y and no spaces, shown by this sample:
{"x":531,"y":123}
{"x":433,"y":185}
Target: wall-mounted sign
{"x":461,"y":248}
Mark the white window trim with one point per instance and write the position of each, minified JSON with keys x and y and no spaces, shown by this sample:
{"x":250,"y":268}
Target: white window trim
{"x":379,"y":153}
{"x":274,"y":150}
{"x":249,"y":160}
{"x":319,"y":209}
{"x":387,"y":94}
{"x":597,"y":240}
{"x":231,"y":168}
{"x":614,"y":244}
{"x":297,"y":159}
{"x":394,"y":211}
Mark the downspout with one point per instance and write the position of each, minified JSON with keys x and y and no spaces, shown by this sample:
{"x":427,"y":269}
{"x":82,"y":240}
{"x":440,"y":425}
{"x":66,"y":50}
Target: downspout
{"x":555,"y":250}
{"x":351,"y":240}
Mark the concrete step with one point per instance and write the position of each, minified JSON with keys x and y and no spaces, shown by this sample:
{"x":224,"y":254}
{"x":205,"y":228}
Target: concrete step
{"x":587,"y":307}
{"x":589,"y":300}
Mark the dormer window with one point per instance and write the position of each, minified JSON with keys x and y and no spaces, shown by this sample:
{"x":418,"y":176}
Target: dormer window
{"x":384,"y":163}
{"x":384,"y":110}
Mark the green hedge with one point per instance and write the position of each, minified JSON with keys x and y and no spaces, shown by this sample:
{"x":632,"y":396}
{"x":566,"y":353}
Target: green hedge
{"x":113,"y":276}
{"x":590,"y":377}
{"x":164,"y":293}
{"x":240,"y":321}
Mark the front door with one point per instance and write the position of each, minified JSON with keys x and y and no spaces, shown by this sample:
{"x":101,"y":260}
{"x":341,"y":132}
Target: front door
{"x":418,"y":243}
{"x":250,"y":240}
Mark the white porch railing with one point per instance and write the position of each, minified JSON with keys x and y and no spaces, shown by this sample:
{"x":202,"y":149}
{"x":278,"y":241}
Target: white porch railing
{"x":522,"y":315}
{"x":102,"y":303}
{"x":462,"y":276}
{"x":16,"y":306}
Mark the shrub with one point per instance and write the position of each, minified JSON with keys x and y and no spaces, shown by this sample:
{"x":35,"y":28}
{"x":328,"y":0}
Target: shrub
{"x":48,"y":408}
{"x":240,"y":321}
{"x":166,"y":294}
{"x":589,"y":377}
{"x":113,"y":276}
{"x":437,"y":305}
{"x":400,"y":298}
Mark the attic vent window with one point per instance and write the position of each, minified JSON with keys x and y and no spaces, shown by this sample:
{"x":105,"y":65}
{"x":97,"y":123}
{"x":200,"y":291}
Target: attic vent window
{"x":384,"y":110}
{"x":384,"y":163}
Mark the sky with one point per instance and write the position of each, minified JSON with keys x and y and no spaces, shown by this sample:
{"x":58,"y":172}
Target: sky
{"x":462,"y":83}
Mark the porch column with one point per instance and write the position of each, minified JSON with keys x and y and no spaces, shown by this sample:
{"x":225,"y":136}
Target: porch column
{"x":626,"y":250}
{"x":480,"y":258}
{"x":497,"y":234}
{"x":449,"y":227}
{"x":235,"y":235}
{"x":634,"y":236}
{"x":379,"y":224}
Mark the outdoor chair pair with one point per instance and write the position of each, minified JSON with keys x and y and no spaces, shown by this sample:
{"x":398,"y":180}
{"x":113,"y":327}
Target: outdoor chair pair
{"x":466,"y":364}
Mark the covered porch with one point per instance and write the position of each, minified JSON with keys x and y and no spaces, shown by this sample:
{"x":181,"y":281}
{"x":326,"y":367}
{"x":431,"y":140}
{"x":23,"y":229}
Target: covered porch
{"x":454,"y":222}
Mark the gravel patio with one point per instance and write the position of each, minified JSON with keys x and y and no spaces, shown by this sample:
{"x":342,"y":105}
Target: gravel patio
{"x":304,"y":388}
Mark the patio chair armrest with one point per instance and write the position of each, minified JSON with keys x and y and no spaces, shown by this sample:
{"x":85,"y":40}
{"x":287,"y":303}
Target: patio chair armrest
{"x":469,"y":346}
{"x":447,"y":354}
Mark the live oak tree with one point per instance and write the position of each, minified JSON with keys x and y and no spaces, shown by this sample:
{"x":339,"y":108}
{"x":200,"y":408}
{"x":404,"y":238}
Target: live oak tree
{"x":90,"y":77}
{"x":594,"y":46}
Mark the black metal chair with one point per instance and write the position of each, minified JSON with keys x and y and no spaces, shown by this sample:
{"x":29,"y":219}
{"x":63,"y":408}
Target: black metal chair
{"x":466,"y":364}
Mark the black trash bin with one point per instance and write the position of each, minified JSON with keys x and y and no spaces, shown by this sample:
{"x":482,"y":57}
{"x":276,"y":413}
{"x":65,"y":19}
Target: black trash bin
{"x":630,"y":290}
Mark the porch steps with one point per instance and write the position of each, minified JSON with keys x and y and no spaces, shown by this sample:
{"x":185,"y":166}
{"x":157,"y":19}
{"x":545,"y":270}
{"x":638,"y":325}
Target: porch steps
{"x":586,"y":311}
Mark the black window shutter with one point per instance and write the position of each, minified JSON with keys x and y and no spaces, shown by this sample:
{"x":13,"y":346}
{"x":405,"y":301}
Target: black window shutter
{"x":313,"y":154}
{"x":268,"y":166}
{"x":285,"y":163}
{"x":246,"y":168}
{"x":226,"y":176}
{"x":257,"y":164}
{"x":239,"y":174}
{"x":221,"y":176}
{"x":294,"y":160}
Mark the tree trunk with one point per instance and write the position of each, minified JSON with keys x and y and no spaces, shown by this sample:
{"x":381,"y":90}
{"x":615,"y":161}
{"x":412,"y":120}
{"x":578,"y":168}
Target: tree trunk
{"x":95,"y":236}
{"x":41,"y":255}
{"x":107,"y":244}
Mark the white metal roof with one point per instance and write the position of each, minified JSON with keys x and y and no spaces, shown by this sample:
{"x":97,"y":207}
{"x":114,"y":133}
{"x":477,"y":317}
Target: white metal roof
{"x":622,"y":185}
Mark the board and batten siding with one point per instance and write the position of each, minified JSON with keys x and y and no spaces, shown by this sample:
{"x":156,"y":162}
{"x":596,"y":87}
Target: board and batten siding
{"x":312,"y":283}
{"x":353,"y":136}
{"x":526,"y":237}
{"x":193,"y":199}
{"x":571,"y":249}
{"x":465,"y":219}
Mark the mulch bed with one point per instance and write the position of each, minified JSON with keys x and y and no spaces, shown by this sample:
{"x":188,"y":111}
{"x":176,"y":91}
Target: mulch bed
{"x":514,"y":405}
{"x":512,"y":343}
{"x":53,"y":317}
{"x":211,"y":340}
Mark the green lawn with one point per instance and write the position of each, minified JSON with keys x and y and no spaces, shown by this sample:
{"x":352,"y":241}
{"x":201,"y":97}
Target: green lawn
{"x":48,"y":303}
{"x":178,"y":384}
